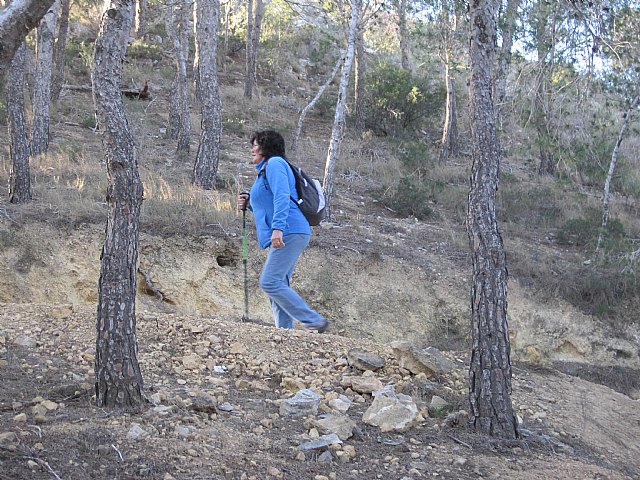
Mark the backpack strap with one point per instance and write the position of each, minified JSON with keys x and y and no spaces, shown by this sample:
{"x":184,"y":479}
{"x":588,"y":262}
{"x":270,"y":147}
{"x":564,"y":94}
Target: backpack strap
{"x":263,"y":173}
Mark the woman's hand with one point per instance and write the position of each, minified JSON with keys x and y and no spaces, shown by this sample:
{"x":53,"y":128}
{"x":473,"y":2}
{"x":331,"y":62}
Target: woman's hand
{"x":276,"y":239}
{"x":243,"y":201}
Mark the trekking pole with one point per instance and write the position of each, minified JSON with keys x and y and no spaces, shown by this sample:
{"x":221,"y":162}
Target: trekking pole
{"x":244,"y":260}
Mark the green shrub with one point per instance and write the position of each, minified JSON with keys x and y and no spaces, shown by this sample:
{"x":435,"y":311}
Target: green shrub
{"x":414,"y":157}
{"x":140,"y":49}
{"x":522,"y":204}
{"x":3,"y":109}
{"x":603,"y":292}
{"x":88,"y":121}
{"x":577,"y":231}
{"x":410,"y":198}
{"x":79,"y":58}
{"x":627,"y":182}
{"x":235,"y":126}
{"x":584,"y":231}
{"x":397,"y":101}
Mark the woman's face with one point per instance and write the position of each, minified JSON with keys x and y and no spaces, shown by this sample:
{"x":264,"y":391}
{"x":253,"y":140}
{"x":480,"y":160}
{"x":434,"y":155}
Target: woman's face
{"x":256,"y":153}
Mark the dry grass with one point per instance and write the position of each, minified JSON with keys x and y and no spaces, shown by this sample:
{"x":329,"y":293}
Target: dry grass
{"x":173,"y":209}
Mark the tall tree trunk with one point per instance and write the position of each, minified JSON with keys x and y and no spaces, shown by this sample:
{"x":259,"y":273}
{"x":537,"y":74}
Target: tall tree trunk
{"x":541,"y":122}
{"x":59,"y":49}
{"x":42,"y":90}
{"x":19,"y":177}
{"x":545,"y":44}
{"x":16,"y":20}
{"x":179,"y":115}
{"x":227,"y":34}
{"x":490,"y":369}
{"x":141,"y":14}
{"x":360,"y":86}
{"x":173,"y":126}
{"x":253,"y":42}
{"x":250,"y":56}
{"x":206,"y":165}
{"x":504,"y":56}
{"x":612,"y":169}
{"x":337,"y":132}
{"x":449,"y":140}
{"x":294,"y":144}
{"x":118,"y":377}
{"x":184,"y":137}
{"x":401,"y":11}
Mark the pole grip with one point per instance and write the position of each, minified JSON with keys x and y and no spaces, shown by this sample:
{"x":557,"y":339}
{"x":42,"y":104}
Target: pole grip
{"x":246,"y":200}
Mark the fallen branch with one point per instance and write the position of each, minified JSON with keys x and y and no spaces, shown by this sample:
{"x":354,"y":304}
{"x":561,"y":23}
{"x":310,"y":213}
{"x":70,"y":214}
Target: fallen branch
{"x":149,"y":286}
{"x":460,"y":442}
{"x":4,"y":212}
{"x":118,"y":452}
{"x":135,"y":93}
{"x":44,"y":464}
{"x":348,"y":248}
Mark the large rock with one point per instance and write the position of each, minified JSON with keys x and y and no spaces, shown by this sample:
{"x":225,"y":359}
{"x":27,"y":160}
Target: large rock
{"x":321,"y":443}
{"x":341,"y":425}
{"x":427,"y":360}
{"x":545,"y":332}
{"x":192,"y":361}
{"x":362,"y":384}
{"x":341,"y":404}
{"x":25,"y":341}
{"x":363,"y":360}
{"x":302,"y":403}
{"x":391,"y":411}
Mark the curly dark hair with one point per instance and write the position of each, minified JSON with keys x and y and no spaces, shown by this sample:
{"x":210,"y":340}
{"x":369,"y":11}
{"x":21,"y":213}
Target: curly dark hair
{"x":271,"y":143}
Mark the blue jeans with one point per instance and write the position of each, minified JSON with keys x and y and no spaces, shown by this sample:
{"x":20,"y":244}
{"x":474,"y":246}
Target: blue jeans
{"x":275,"y":281}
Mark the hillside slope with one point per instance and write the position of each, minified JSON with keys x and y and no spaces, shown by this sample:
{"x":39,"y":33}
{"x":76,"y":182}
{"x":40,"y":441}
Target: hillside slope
{"x":218,"y":386}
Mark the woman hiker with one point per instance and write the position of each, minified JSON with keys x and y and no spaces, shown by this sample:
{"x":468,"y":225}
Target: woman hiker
{"x":282,"y":228}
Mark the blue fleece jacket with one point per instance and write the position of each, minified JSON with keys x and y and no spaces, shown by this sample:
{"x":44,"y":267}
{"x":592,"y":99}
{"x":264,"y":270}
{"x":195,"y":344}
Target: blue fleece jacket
{"x":271,"y":202}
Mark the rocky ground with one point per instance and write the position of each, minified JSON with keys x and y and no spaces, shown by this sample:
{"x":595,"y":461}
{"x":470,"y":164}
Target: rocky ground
{"x":232,"y":400}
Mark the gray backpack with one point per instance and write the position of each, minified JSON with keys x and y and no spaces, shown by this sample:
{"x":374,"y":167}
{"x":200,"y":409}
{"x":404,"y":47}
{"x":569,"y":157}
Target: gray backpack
{"x":311,"y":201}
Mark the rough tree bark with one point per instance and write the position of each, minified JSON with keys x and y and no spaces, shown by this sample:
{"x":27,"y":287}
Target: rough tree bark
{"x":449,"y":140}
{"x":179,"y":114}
{"x":545,"y":43}
{"x":253,"y":38}
{"x":337,"y":132}
{"x":173,"y":125}
{"x":19,"y":176}
{"x":312,"y":103}
{"x":206,"y":165}
{"x":249,"y":55}
{"x":490,"y":368}
{"x":42,"y":87}
{"x":57,"y":77}
{"x":504,"y":56}
{"x":612,"y":169}
{"x":16,"y":20}
{"x":541,"y":122}
{"x":118,"y":378}
{"x":401,"y":10}
{"x":182,"y":58}
{"x":141,"y":14}
{"x":360,"y":86}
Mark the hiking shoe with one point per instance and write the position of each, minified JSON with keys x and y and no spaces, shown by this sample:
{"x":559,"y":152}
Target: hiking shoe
{"x":320,"y":327}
